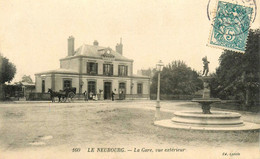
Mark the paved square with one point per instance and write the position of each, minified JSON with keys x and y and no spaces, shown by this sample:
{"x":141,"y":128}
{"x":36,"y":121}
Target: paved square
{"x":61,"y":127}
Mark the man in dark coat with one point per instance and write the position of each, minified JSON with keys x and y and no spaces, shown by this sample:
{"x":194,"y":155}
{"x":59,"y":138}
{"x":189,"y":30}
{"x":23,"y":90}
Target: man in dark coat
{"x":113,"y":94}
{"x":86,"y":95}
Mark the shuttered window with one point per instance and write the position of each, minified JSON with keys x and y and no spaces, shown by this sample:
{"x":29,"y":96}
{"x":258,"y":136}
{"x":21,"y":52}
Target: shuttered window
{"x":122,"y":70}
{"x":108,"y":69}
{"x":66,"y":84}
{"x":92,"y":68}
{"x":43,"y":86}
{"x":139,"y":88}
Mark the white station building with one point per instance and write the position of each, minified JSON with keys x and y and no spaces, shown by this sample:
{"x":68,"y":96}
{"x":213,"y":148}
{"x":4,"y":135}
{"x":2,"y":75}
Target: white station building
{"x":95,"y":69}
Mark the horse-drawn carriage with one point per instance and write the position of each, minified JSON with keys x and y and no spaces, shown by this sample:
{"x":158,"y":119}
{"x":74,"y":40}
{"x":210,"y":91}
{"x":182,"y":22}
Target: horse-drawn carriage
{"x":66,"y":94}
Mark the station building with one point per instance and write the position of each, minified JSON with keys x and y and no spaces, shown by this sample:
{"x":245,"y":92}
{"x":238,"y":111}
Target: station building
{"x":95,"y":69}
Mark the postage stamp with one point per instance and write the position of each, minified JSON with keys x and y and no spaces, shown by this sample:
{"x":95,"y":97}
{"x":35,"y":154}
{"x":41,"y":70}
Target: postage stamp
{"x":230,"y":26}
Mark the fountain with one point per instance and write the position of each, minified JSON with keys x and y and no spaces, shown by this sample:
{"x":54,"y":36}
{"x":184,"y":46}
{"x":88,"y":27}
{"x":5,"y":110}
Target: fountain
{"x":205,"y":119}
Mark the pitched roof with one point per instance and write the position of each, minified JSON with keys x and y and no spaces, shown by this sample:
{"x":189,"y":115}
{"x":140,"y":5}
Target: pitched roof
{"x":25,"y":84}
{"x":97,"y":52}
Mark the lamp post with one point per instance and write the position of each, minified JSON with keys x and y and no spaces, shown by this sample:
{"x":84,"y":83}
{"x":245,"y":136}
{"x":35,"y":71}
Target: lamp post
{"x":159,"y":67}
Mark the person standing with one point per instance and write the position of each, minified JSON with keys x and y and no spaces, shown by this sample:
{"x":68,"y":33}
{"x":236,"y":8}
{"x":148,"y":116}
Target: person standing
{"x":113,"y":94}
{"x":85,"y":96}
{"x":91,"y":95}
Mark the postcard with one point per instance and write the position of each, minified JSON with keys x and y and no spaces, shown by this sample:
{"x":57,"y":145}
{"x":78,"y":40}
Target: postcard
{"x":129,"y":79}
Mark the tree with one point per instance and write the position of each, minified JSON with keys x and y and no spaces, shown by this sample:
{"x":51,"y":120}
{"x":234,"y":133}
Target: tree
{"x":177,"y":79}
{"x":7,"y":70}
{"x":237,"y":76}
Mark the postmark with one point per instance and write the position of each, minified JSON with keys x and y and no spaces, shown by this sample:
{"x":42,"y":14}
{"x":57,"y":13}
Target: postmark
{"x":230,"y":26}
{"x":212,"y":4}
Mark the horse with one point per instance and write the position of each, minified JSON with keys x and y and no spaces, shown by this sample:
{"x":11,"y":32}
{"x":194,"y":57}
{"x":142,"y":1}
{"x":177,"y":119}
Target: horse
{"x":56,"y":94}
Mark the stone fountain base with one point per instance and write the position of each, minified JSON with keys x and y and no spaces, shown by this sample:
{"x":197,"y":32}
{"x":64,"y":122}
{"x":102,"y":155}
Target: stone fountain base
{"x":214,"y":119}
{"x":217,"y":121}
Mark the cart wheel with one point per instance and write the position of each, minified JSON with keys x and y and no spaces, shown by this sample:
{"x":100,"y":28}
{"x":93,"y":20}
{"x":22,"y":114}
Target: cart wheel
{"x":63,"y":99}
{"x":70,"y":96}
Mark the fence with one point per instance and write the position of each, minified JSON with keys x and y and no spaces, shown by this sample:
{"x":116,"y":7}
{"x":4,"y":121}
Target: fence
{"x":39,"y":96}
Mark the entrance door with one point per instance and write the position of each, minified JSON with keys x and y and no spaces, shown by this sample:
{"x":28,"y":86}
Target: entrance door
{"x":107,"y":90}
{"x":122,"y":91}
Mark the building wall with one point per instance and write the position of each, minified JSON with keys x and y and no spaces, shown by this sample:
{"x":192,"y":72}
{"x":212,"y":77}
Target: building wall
{"x":58,"y":82}
{"x":99,"y":61}
{"x":131,"y":93}
{"x":100,"y":84}
{"x":38,"y":83}
{"x":74,"y":64}
{"x":47,"y":83}
{"x":59,"y":78}
{"x":128,"y":64}
{"x":144,"y":82}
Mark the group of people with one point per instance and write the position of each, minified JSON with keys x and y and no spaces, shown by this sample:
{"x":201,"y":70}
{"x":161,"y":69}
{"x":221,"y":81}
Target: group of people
{"x":89,"y":96}
{"x":93,"y":96}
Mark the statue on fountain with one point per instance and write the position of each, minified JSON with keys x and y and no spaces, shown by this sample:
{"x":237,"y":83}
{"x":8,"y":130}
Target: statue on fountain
{"x":206,"y":66}
{"x":206,"y":100}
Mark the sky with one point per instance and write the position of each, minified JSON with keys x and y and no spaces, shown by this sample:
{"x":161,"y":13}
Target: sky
{"x":34,"y":33}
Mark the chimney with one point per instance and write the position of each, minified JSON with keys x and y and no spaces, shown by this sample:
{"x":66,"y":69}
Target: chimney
{"x":70,"y":46}
{"x":119,"y":47}
{"x":95,"y":43}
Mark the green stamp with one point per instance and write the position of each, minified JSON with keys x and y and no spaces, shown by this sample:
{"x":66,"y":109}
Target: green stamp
{"x":231,"y":26}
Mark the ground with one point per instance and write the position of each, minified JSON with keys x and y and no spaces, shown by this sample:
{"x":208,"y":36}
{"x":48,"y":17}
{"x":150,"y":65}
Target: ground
{"x":27,"y":128}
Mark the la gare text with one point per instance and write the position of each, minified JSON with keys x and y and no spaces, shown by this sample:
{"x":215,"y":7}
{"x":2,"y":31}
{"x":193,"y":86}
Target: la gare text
{"x":132,"y":150}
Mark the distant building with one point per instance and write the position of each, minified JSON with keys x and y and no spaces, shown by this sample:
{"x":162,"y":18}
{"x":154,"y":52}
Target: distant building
{"x":147,"y":72}
{"x":20,"y":90}
{"x":95,"y":69}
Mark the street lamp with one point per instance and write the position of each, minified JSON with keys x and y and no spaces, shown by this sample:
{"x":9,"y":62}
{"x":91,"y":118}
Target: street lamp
{"x":159,"y":67}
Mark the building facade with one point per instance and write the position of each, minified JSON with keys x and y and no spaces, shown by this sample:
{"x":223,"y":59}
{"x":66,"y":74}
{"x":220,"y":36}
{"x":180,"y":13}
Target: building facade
{"x":97,"y":70}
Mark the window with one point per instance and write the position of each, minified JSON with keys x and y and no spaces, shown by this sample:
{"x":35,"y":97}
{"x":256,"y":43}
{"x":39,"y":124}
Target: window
{"x":122,"y":70}
{"x":43,"y":86}
{"x":108,"y":69}
{"x":139,"y":88}
{"x":92,"y":68}
{"x":66,"y":84}
{"x":92,"y":87}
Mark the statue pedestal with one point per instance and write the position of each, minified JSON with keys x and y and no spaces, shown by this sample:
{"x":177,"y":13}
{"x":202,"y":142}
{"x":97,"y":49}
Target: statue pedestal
{"x":206,"y":101}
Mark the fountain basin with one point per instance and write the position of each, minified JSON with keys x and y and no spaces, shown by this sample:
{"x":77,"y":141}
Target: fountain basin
{"x":213,"y":119}
{"x":206,"y":100}
{"x":205,"y":103}
{"x":246,"y":126}
{"x":216,"y":121}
